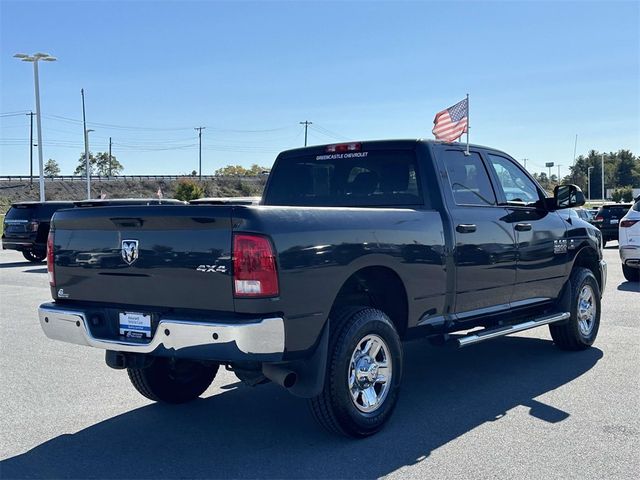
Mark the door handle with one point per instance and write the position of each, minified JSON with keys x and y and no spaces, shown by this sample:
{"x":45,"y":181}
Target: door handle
{"x":523,"y":227}
{"x":466,"y":228}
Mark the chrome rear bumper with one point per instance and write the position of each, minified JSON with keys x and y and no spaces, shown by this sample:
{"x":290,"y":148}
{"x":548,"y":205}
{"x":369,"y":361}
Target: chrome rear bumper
{"x":259,"y":339}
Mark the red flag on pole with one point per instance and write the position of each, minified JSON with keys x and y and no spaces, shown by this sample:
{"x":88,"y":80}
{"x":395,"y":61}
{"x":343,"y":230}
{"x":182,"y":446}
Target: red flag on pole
{"x":452,"y":122}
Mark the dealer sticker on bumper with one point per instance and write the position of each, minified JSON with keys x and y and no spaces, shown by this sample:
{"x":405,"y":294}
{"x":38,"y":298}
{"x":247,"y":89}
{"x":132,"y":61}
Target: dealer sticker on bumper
{"x":135,"y":325}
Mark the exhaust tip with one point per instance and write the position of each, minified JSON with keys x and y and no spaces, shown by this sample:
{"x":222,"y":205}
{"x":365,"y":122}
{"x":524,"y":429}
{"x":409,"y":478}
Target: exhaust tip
{"x":290,"y":380}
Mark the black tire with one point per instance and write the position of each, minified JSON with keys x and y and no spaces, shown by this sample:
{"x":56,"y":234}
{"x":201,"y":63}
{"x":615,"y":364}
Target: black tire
{"x":577,"y":333}
{"x":34,"y":256}
{"x":335,"y":408}
{"x":631,"y":274}
{"x":171,"y":380}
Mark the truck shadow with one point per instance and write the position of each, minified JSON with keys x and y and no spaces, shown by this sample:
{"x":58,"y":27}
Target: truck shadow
{"x":21,"y":264}
{"x":629,"y":287}
{"x":267,"y":433}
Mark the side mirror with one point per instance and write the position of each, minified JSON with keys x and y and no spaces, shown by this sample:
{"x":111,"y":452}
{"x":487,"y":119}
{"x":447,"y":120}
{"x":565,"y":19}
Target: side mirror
{"x":567,"y":196}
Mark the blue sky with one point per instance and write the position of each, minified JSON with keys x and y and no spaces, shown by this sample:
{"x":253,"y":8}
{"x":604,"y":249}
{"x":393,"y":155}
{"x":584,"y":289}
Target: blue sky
{"x":538,"y":74}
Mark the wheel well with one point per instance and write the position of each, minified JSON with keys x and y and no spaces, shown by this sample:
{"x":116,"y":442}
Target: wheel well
{"x":588,"y":258}
{"x":378,"y":287}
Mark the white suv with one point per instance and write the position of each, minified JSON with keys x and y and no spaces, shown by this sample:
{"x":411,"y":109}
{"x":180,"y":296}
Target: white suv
{"x":629,"y":239}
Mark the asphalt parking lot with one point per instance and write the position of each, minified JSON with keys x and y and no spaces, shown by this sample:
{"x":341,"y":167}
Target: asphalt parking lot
{"x":515,"y":407}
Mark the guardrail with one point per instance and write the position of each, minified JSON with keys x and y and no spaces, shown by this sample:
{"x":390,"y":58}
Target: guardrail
{"x":97,"y":178}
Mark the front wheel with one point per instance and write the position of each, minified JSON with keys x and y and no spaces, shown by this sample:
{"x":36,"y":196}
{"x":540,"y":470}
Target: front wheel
{"x":172,"y":380}
{"x":34,"y":256}
{"x":580,"y":331}
{"x":364,"y":371}
{"x":631,"y":274}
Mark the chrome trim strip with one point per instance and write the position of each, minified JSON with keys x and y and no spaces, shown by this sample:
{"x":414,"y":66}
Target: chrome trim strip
{"x":487,"y":334}
{"x":263,"y":337}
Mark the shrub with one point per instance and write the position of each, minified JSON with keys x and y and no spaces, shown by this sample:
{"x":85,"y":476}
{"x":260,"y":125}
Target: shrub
{"x":188,"y":190}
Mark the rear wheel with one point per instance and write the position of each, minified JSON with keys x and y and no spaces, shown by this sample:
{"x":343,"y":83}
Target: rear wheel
{"x":171,"y":380}
{"x":580,"y":331}
{"x":35,"y":256}
{"x":363,"y":375}
{"x":631,"y":274}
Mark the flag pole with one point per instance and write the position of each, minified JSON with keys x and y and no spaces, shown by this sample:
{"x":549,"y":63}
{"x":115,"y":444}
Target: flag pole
{"x":468,"y":118}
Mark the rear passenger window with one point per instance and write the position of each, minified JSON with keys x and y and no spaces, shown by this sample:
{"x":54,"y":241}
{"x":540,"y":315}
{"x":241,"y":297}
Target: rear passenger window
{"x":468,"y":179}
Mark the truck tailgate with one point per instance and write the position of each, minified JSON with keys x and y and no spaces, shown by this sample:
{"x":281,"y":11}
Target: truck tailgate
{"x":164,"y":256}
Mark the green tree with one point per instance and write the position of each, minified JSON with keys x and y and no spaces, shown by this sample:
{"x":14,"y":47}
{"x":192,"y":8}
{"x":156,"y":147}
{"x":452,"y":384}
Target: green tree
{"x":627,"y":194}
{"x":239,"y":170}
{"x":188,"y":189}
{"x":51,"y":168}
{"x":627,"y":170}
{"x":99,"y":164}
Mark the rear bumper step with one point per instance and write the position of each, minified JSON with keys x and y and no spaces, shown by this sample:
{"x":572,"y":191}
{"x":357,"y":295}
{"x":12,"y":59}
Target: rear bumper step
{"x":261,"y":340}
{"x":488,"y":334}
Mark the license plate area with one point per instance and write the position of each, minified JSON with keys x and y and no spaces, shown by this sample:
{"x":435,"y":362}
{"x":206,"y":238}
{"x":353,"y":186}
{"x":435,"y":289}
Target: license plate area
{"x":614,"y":221}
{"x":134,"y":325}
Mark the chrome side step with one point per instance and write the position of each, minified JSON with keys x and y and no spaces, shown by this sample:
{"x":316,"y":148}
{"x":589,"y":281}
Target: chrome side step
{"x":487,"y":334}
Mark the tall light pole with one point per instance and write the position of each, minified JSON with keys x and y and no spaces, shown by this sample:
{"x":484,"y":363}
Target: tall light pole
{"x":589,"y":182}
{"x":35,"y":58}
{"x":558,"y":173}
{"x":31,"y":114}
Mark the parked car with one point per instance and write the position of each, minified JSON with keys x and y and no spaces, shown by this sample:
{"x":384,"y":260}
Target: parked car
{"x":354,"y":247}
{"x":608,"y":218}
{"x":629,"y":239}
{"x":26,"y":227}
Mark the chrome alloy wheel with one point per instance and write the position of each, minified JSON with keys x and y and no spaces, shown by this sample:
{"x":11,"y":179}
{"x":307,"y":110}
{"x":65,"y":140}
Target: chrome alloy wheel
{"x":370,"y":371}
{"x":586,"y":310}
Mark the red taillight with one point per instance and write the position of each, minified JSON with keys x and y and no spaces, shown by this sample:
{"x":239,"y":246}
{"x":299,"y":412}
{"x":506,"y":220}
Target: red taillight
{"x":52,"y":278}
{"x":599,"y":218}
{"x":628,"y":223}
{"x":254,"y":266}
{"x":344,"y":147}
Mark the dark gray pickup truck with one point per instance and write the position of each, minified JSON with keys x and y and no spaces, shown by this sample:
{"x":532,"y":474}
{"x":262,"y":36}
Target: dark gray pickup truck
{"x":353,"y":248}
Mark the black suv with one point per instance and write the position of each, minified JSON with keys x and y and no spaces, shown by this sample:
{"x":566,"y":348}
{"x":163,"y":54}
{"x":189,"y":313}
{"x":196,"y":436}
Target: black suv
{"x":26,"y":227}
{"x":607,"y":220}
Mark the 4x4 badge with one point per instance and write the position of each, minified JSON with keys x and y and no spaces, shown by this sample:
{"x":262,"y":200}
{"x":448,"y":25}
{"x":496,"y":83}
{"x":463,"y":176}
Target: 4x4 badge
{"x":129,"y":251}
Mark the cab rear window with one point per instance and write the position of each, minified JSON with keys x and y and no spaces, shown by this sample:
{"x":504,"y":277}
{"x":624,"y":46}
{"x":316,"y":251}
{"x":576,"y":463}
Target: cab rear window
{"x":366,"y":179}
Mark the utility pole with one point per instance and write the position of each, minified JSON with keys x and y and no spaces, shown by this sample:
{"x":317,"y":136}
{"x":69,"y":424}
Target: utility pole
{"x":199,"y":129}
{"x":559,"y":173}
{"x":306,"y":124}
{"x":602,"y":178}
{"x":524,"y":160}
{"x":589,"y":182}
{"x":109,"y":156}
{"x":31,"y":114}
{"x":86,"y":147}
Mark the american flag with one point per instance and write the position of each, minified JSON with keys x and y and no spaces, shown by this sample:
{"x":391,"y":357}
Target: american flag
{"x":451,"y":123}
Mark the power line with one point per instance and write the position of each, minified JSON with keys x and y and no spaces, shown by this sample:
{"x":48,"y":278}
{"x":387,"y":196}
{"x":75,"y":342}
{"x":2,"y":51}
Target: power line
{"x":328,"y":133}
